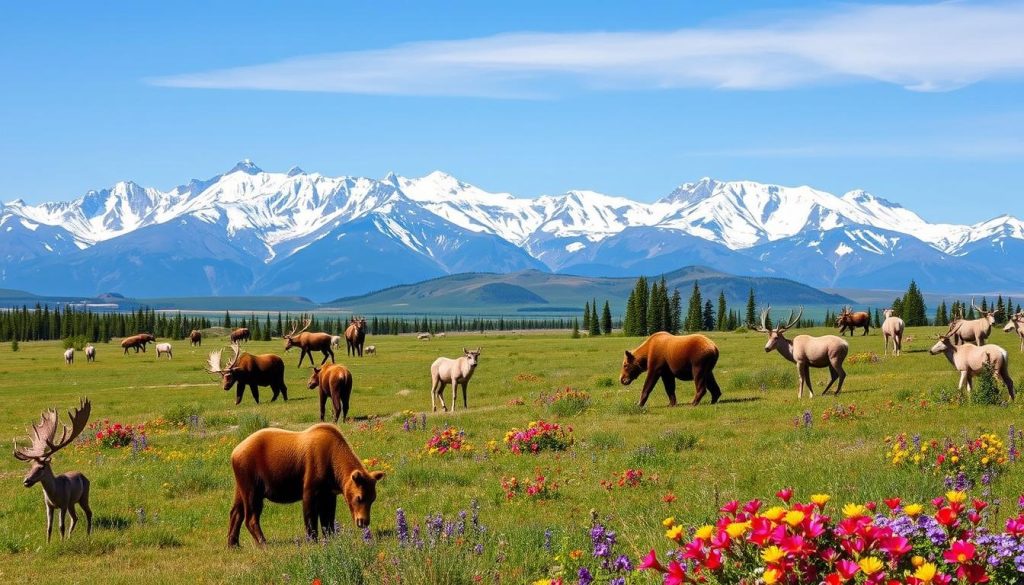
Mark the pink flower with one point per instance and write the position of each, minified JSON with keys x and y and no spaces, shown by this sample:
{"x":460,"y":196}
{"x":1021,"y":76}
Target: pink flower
{"x":651,"y":562}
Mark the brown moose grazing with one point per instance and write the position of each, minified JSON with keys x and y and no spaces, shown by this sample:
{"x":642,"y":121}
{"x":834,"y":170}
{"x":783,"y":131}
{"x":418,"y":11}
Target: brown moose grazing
{"x":849,"y":321}
{"x":355,"y":336}
{"x":308,"y":343}
{"x":241,"y":334}
{"x":195,"y":338}
{"x":60,"y":492}
{"x":335,"y":382}
{"x":250,"y":370}
{"x":807,"y":352}
{"x":667,"y":357}
{"x":137,"y":342}
{"x":312,"y":466}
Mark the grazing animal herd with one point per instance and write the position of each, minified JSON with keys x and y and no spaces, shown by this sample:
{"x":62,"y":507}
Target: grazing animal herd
{"x":316,"y":465}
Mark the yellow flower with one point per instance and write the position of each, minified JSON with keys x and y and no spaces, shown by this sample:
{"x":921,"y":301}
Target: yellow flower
{"x":705,"y":532}
{"x":794,"y":517}
{"x":984,"y":460}
{"x":668,"y":522}
{"x":917,"y":560}
{"x":772,"y":554}
{"x":771,"y":576}
{"x":820,"y":499}
{"x":870,"y":565}
{"x":954,"y":458}
{"x":674,"y":533}
{"x":737,"y":529}
{"x":854,"y":510}
{"x":913,"y":510}
{"x":925,"y":572}
{"x":775,"y":513}
{"x":542,"y":582}
{"x":955,"y":497}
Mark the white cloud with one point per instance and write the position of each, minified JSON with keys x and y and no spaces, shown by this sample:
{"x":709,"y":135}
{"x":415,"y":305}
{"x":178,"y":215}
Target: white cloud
{"x":934,"y":47}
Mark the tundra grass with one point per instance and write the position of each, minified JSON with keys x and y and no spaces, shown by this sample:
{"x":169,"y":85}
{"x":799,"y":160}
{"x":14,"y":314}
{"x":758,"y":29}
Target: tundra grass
{"x":161,"y":513}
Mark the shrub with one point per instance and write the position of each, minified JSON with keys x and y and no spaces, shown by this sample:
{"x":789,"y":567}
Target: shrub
{"x":983,"y":388}
{"x":78,"y":342}
{"x":181,"y":414}
{"x":566,"y":402}
{"x":113,"y":436}
{"x":250,"y":423}
{"x":679,"y":441}
{"x":605,"y":382}
{"x":14,"y":345}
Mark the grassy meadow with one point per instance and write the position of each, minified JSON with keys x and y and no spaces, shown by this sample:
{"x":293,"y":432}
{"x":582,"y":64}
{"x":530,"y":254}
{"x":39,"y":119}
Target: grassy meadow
{"x":161,"y":513}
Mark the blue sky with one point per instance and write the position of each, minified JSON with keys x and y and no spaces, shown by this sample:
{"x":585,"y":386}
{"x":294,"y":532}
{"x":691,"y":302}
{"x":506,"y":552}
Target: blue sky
{"x":919,"y":103}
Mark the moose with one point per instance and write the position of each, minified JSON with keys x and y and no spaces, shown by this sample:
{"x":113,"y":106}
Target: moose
{"x":849,"y":321}
{"x":668,"y":357}
{"x":69,"y":356}
{"x":60,"y":492}
{"x":241,"y":334}
{"x":335,"y":341}
{"x":137,"y":342}
{"x":892,"y":328}
{"x":355,"y":336}
{"x":456,"y":372}
{"x":334,"y":381}
{"x":371,"y":350}
{"x":314,"y":466}
{"x":807,"y":352}
{"x":975,"y":331}
{"x":250,"y":370}
{"x":1016,"y":323}
{"x":195,"y":338}
{"x":308,"y":343}
{"x":970,"y":359}
{"x":90,"y":353}
{"x":162,"y":348}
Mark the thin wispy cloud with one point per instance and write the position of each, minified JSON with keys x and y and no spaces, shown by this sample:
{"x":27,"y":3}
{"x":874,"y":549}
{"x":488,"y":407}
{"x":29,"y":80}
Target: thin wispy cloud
{"x":934,"y":47}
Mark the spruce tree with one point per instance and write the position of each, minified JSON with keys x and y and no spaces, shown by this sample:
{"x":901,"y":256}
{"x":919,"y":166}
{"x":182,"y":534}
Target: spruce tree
{"x":595,"y":321}
{"x":722,"y":320}
{"x":878,"y":319}
{"x":586,"y":316}
{"x":575,"y":328}
{"x":676,"y":312}
{"x":1000,"y":306}
{"x":751,"y":315}
{"x":606,"y":319}
{"x":629,"y":319}
{"x":695,"y":311}
{"x":709,"y":316}
{"x":227,"y":319}
{"x":643,"y":298}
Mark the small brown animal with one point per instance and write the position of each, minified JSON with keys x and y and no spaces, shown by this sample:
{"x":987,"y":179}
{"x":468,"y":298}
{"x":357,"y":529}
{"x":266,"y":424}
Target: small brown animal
{"x":250,"y":370}
{"x":313,"y":466}
{"x":308,"y":343}
{"x":667,"y":357}
{"x":241,"y":334}
{"x":137,"y":342}
{"x":195,"y":338}
{"x":848,"y":321}
{"x":67,"y":489}
{"x":355,"y":336}
{"x":334,"y":381}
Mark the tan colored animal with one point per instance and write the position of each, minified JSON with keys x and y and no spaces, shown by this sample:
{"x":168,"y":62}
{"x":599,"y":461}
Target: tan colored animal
{"x":60,"y":492}
{"x":137,"y":342}
{"x":975,"y":331}
{"x":442,"y":334}
{"x":808,"y":352}
{"x":334,"y":382}
{"x":969,"y":359}
{"x":892,"y":328}
{"x":69,"y":356}
{"x":308,"y":343}
{"x":313,"y":466}
{"x":668,"y":357}
{"x":423,"y":337}
{"x":456,"y":372}
{"x":90,"y":353}
{"x":250,"y":370}
{"x":162,"y":348}
{"x":848,"y":321}
{"x":1016,"y":323}
{"x":241,"y":334}
{"x":355,"y":336}
{"x":371,"y":350}
{"x":335,"y":341}
{"x":195,"y":338}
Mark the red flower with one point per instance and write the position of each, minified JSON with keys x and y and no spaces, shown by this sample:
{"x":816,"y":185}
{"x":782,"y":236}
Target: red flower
{"x":979,"y":505}
{"x":960,"y":552}
{"x":651,"y":562}
{"x":785,"y":494}
{"x":676,"y":574}
{"x":846,"y":569}
{"x":893,"y":503}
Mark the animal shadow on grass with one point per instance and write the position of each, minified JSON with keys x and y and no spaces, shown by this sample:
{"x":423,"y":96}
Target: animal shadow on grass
{"x":745,"y":399}
{"x":118,"y":523}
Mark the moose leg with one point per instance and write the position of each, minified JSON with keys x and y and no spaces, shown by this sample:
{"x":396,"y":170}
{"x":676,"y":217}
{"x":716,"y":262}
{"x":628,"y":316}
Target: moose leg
{"x":346,"y":394}
{"x":60,"y":520}
{"x":323,"y":404}
{"x":327,"y":507}
{"x":645,"y":392}
{"x":433,"y":394}
{"x":255,"y":391}
{"x":464,"y":403}
{"x":440,"y":394}
{"x":713,"y":387}
{"x":74,"y":519}
{"x":336,"y":403}
{"x":327,"y":353}
{"x":805,"y":377}
{"x":235,"y":518}
{"x":834,"y":375}
{"x":84,"y":503}
{"x":309,"y":514}
{"x":1005,"y":375}
{"x":963,"y":379}
{"x":49,"y":522}
{"x":252,"y":519}
{"x":455,"y":392}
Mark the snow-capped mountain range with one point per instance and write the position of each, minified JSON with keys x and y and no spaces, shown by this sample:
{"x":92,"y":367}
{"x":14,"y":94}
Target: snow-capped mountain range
{"x":249,"y":231}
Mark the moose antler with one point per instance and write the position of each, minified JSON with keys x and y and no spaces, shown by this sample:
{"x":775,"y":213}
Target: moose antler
{"x":213,"y":361}
{"x":43,"y":432}
{"x":792,"y":320}
{"x":304,"y":327}
{"x":762,"y":328}
{"x":954,"y":326}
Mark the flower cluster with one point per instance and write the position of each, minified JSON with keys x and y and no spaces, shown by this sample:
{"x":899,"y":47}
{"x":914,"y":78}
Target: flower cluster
{"x":963,"y":463}
{"x":377,"y":464}
{"x":412,"y":421}
{"x":566,"y":394}
{"x":447,"y":440}
{"x":841,"y":412}
{"x":119,"y":435}
{"x":374,"y":424}
{"x":539,"y":436}
{"x":539,"y":487}
{"x":629,"y":478}
{"x":864,"y":357}
{"x":517,"y":401}
{"x":800,"y":543}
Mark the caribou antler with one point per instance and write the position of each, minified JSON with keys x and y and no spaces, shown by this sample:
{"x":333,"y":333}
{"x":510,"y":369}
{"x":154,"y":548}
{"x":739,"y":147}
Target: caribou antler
{"x":762,"y":328}
{"x":953,"y":328}
{"x":792,"y":320}
{"x":43,"y":445}
{"x":304,"y":327}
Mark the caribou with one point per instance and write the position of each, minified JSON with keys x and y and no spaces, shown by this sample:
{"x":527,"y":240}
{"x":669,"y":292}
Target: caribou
{"x":90,"y":353}
{"x":250,"y":370}
{"x":355,"y":336}
{"x":195,"y":338}
{"x":892,"y":328}
{"x":848,"y":321}
{"x":308,"y":343}
{"x":69,"y":356}
{"x":162,"y":348}
{"x":975,"y":331}
{"x":137,"y":342}
{"x":456,"y":372}
{"x":807,"y":352}
{"x":969,"y":359}
{"x":1016,"y":323}
{"x":60,"y":492}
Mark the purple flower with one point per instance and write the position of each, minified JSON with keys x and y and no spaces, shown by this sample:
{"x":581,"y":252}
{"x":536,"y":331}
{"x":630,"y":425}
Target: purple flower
{"x":401,"y":526}
{"x":547,"y":540}
{"x":478,"y":549}
{"x":367,"y":535}
{"x":622,"y":564}
{"x":584,"y":576}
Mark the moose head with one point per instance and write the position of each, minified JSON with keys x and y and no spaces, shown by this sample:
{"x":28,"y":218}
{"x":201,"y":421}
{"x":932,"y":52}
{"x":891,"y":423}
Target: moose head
{"x":290,"y":338}
{"x":43,"y":446}
{"x":777,"y":333}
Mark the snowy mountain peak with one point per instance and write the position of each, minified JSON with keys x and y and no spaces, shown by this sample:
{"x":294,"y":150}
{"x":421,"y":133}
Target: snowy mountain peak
{"x":295,"y":171}
{"x":245,"y":166}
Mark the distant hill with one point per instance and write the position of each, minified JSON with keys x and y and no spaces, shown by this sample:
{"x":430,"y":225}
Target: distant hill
{"x":533,"y":291}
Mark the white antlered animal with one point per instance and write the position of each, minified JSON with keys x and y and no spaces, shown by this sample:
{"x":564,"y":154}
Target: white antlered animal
{"x":975,"y":331}
{"x":808,"y":352}
{"x":892,"y":328}
{"x":1016,"y":323}
{"x":969,"y":359}
{"x":335,"y":341}
{"x":69,"y":355}
{"x":423,"y":337}
{"x":162,"y":348}
{"x":456,"y":372}
{"x":90,"y":353}
{"x":371,"y":350}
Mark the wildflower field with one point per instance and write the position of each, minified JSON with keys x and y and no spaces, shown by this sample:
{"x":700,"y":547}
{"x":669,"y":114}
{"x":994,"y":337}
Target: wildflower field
{"x":552,"y":474}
